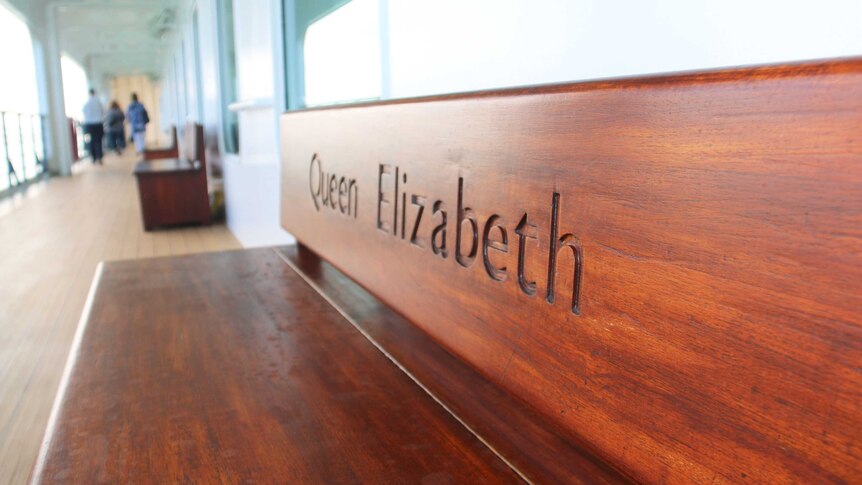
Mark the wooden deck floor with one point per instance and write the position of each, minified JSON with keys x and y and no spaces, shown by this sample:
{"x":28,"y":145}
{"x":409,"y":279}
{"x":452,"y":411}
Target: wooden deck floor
{"x":51,"y":240}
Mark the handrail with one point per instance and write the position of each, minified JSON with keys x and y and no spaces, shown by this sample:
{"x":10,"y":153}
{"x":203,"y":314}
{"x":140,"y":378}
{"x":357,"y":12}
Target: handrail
{"x":22,"y":148}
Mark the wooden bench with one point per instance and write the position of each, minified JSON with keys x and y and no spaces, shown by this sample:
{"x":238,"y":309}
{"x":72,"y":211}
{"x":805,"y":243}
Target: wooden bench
{"x":640,"y":280}
{"x":170,"y":151}
{"x":175,"y":191}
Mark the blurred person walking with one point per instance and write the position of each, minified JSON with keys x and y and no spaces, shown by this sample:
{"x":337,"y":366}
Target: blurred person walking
{"x":115,"y":129}
{"x":138,"y":119}
{"x":93,"y":115}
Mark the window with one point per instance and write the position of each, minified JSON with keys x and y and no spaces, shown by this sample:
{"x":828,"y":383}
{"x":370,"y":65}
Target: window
{"x":227,"y":75}
{"x":75,"y":87}
{"x":342,"y":55}
{"x":21,"y":147}
{"x":18,"y":85}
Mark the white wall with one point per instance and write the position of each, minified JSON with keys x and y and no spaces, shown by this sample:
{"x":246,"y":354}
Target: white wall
{"x":253,"y":36}
{"x":250,"y":178}
{"x":441,"y":46}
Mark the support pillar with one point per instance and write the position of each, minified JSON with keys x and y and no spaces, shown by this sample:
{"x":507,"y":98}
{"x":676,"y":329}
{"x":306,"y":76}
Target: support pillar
{"x":58,"y":142}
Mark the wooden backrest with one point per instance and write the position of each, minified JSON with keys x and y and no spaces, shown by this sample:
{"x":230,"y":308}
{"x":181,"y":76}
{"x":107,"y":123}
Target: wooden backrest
{"x":174,"y":139}
{"x":192,"y":146}
{"x":667,"y":268}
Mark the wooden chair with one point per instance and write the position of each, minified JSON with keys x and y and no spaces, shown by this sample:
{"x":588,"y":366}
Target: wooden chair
{"x":171,"y":151}
{"x":174,"y":191}
{"x":642,"y":280}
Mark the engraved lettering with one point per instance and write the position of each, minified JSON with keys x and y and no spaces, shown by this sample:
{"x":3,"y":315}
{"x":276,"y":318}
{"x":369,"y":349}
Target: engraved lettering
{"x":567,"y":240}
{"x":418,"y":201}
{"x":439,"y":248}
{"x":497,"y":274}
{"x":353,"y":198}
{"x":382,"y":170}
{"x":333,"y":186}
{"x":342,"y":192}
{"x":324,"y":187}
{"x":525,"y":231}
{"x":403,"y":207}
{"x":395,"y":212}
{"x":324,"y":183}
{"x":465,"y":213}
{"x":315,"y":187}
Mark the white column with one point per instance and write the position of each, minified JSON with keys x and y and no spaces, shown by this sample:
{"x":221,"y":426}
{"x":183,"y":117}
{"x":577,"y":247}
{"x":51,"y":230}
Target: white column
{"x":51,"y":95}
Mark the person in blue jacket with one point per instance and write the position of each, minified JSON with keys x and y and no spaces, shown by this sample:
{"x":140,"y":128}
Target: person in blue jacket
{"x":138,"y":119}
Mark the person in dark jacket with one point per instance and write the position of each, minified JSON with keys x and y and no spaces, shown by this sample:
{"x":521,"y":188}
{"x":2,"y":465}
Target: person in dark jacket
{"x":138,"y":119}
{"x":114,"y":128}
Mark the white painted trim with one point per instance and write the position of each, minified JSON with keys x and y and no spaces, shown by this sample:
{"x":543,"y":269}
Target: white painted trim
{"x":250,"y":104}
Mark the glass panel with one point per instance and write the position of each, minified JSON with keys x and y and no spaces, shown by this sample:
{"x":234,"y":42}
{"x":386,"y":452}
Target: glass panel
{"x":342,"y":55}
{"x":227,"y":75}
{"x":18,"y":92}
{"x":14,"y":150}
{"x":38,"y":140}
{"x":27,"y":145}
{"x":75,"y":87}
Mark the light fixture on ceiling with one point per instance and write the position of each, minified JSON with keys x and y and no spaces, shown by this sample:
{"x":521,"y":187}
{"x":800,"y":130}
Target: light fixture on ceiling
{"x":163,"y":23}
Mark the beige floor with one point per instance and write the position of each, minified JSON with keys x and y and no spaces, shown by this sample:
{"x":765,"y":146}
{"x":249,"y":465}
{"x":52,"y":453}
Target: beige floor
{"x":51,"y":239}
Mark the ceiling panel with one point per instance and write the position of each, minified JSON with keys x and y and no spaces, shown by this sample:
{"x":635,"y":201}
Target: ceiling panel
{"x":116,"y":37}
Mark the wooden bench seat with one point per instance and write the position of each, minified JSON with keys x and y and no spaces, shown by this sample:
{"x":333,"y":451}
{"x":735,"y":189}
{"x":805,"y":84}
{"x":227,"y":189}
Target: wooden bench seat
{"x":167,"y":165}
{"x":228,"y":368}
{"x":645,"y":280}
{"x":535,"y":447}
{"x":175,"y":191}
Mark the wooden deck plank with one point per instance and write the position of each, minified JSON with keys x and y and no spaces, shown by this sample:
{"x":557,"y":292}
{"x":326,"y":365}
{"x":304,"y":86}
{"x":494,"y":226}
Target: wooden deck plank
{"x":52,"y":237}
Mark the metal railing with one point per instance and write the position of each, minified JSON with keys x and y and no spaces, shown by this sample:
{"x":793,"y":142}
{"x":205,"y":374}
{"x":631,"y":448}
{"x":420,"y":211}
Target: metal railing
{"x":22,"y":148}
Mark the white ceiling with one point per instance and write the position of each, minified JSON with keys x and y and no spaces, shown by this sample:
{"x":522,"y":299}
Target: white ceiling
{"x":116,"y":37}
{"x":113,"y":37}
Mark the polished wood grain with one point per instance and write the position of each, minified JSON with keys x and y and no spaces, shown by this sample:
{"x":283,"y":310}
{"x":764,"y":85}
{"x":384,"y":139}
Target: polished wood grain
{"x":229,"y":368}
{"x":712,"y":220}
{"x":532,"y":445}
{"x":52,"y":236}
{"x":175,"y":191}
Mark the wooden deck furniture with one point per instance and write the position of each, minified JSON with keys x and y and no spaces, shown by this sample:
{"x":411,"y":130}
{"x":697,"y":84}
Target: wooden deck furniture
{"x":170,"y":151}
{"x":267,"y":384}
{"x":175,"y":191}
{"x":640,"y":280}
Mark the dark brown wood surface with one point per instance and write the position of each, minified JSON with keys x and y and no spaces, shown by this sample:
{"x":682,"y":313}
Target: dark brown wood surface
{"x":175,"y":191}
{"x":539,"y":451}
{"x":718,"y":220}
{"x":165,"y":165}
{"x":229,"y":368}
